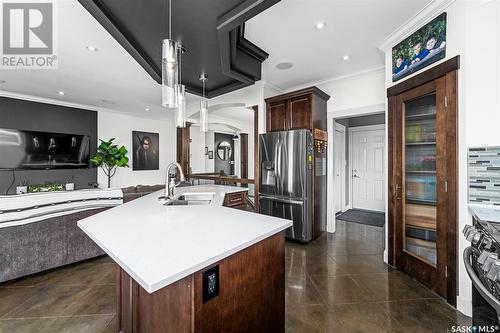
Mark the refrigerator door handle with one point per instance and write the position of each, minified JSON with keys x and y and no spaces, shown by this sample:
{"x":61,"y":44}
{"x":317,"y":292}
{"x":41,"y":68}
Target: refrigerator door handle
{"x":289,"y":201}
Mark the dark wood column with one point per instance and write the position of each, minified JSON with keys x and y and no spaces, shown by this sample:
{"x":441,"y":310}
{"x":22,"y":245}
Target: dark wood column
{"x":244,"y":156}
{"x":256,"y":164}
{"x":183,"y":140}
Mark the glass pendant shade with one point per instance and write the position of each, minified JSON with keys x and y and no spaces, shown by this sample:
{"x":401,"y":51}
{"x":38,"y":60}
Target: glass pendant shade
{"x":203,"y":115}
{"x":180,"y":111}
{"x":169,"y":73}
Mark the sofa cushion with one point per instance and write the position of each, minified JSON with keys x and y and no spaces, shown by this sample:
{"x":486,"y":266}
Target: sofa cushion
{"x":149,"y":188}
{"x":130,"y":189}
{"x":131,"y":196}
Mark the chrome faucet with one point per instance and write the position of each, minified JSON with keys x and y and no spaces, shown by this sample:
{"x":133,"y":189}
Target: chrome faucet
{"x":170,"y":182}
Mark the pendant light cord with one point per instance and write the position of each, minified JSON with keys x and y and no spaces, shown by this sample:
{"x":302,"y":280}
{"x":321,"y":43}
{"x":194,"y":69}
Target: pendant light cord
{"x":169,"y":19}
{"x":203,"y":85}
{"x":180,"y":63}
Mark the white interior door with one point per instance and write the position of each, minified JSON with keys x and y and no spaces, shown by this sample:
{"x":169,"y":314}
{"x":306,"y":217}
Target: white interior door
{"x":367,"y":165}
{"x":339,"y":164}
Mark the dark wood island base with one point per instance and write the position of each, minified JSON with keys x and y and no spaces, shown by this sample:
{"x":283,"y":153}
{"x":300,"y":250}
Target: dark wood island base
{"x":251,"y":296}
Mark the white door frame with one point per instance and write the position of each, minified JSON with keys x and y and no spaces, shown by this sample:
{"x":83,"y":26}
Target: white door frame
{"x":341,"y":128}
{"x":360,"y":129}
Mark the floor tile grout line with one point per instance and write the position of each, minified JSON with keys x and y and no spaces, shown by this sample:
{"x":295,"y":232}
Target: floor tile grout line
{"x":61,"y":317}
{"x":88,"y":290}
{"x":109,"y":322}
{"x":15,"y":307}
{"x":316,"y":288}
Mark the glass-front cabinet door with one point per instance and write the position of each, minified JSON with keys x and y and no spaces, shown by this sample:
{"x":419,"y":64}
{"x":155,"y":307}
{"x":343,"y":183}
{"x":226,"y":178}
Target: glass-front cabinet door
{"x":419,"y":178}
{"x":420,"y":199}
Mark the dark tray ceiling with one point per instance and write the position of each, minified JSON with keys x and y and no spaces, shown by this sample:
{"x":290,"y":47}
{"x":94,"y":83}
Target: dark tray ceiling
{"x":212,"y":32}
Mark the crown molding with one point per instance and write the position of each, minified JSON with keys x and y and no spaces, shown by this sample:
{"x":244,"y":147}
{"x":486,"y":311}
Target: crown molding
{"x":425,"y":15}
{"x":272,"y":85}
{"x":373,"y":70}
{"x":45,"y":100}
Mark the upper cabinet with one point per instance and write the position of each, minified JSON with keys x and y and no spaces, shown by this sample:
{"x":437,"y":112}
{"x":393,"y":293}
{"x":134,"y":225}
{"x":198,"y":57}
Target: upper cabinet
{"x":300,"y":109}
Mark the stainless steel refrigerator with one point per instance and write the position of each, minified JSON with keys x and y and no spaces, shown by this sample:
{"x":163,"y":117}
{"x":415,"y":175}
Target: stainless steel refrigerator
{"x":292,"y":181}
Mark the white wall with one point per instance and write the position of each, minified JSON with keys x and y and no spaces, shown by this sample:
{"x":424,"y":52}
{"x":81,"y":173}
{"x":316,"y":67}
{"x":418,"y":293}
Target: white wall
{"x":209,"y":142}
{"x":120,"y":127}
{"x":197,"y":150}
{"x":473,"y":32}
{"x":250,"y":96}
{"x":245,"y":127}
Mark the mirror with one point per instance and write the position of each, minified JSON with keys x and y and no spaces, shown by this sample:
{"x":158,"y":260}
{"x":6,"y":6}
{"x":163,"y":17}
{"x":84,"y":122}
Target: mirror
{"x":224,"y":151}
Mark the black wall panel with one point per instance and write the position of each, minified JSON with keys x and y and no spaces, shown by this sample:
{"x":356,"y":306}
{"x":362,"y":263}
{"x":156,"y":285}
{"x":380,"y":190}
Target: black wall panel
{"x":35,"y":116}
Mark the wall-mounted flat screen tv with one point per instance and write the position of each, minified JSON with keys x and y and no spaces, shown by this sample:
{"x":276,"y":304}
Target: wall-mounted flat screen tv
{"x":20,"y":149}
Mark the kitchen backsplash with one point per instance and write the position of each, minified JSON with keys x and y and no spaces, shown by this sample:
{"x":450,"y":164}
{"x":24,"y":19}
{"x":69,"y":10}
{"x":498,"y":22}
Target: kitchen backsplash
{"x":484,"y":175}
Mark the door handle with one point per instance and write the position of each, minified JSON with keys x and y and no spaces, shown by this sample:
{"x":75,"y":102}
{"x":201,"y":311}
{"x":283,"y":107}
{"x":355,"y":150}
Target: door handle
{"x":288,"y":201}
{"x":397,"y":192}
{"x":355,"y":176}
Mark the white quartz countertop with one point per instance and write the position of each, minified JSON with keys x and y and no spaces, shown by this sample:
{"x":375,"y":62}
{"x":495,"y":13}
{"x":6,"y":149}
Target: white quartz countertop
{"x":485,"y":213}
{"x":158,"y":245}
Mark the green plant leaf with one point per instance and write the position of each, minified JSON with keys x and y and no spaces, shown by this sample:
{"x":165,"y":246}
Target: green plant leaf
{"x":109,"y":156}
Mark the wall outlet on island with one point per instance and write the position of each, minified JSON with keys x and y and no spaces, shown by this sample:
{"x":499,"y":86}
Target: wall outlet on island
{"x":22,"y":189}
{"x":210,"y":283}
{"x":70,"y":186}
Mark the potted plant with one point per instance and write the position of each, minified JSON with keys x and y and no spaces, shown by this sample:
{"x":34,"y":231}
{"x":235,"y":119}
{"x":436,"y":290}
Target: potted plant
{"x":109,"y":157}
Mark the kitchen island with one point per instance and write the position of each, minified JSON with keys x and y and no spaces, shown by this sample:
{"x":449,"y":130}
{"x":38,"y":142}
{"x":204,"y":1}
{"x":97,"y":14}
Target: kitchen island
{"x":199,"y":267}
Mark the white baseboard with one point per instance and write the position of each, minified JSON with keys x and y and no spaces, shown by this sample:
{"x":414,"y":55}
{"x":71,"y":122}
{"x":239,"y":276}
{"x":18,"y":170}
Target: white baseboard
{"x":464,"y":305}
{"x":330,"y":226}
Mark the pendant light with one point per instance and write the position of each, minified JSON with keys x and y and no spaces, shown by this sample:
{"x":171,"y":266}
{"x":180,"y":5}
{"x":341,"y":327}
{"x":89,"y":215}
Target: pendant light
{"x":203,"y":106}
{"x":169,"y":66}
{"x":180,"y":92}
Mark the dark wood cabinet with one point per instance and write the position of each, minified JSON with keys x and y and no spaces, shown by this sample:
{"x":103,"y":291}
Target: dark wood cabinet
{"x":277,"y":116}
{"x":236,"y":200}
{"x":422,"y":124}
{"x":251,"y":296}
{"x":300,"y":109}
{"x":300,"y":112}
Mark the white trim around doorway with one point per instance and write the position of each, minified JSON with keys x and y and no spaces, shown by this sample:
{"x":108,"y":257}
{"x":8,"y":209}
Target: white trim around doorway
{"x":341,"y":128}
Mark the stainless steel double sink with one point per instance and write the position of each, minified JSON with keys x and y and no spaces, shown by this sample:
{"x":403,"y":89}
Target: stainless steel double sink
{"x":188,"y":199}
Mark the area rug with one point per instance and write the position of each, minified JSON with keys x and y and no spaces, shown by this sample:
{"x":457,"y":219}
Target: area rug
{"x":363,"y":217}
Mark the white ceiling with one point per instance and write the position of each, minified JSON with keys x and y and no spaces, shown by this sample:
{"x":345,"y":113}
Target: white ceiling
{"x":354,"y":27}
{"x":286,"y":31}
{"x":242,"y":114}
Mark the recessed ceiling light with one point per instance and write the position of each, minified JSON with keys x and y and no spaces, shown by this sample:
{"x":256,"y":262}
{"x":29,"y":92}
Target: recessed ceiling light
{"x":284,"y":65}
{"x":146,"y":109}
{"x":60,"y":93}
{"x":346,"y":57}
{"x":107,"y":101}
{"x":320,"y":25}
{"x":92,"y":48}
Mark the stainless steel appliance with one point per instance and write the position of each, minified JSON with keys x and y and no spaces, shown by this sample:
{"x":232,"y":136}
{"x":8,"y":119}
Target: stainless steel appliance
{"x":483,"y":266}
{"x":292,"y":181}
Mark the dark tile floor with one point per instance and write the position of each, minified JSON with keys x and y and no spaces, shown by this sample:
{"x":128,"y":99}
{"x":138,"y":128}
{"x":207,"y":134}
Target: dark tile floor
{"x":337,"y":283}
